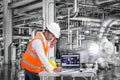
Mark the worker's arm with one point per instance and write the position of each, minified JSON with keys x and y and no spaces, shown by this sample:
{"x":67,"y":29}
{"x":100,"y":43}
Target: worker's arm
{"x":38,"y":47}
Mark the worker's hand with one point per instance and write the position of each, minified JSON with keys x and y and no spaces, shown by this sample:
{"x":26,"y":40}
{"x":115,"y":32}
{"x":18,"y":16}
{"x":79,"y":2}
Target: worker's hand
{"x":58,"y":69}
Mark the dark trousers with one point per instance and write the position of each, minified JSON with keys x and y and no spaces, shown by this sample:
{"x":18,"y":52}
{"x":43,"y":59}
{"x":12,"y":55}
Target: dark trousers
{"x":31,"y":76}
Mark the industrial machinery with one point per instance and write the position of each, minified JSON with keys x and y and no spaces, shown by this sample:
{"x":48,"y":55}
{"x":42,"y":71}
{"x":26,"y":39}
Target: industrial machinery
{"x":91,"y":48}
{"x":90,"y":37}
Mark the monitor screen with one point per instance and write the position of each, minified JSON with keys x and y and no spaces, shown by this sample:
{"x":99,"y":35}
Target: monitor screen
{"x":70,"y":60}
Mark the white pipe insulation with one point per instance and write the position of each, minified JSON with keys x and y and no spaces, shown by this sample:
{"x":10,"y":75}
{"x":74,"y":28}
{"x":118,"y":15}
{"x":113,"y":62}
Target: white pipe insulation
{"x":105,"y":26}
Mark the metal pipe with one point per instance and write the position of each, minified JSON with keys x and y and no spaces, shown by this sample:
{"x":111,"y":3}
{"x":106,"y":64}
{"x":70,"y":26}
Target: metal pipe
{"x":75,"y":6}
{"x":80,"y":38}
{"x":68,"y":25}
{"x":77,"y":35}
{"x":105,"y":26}
{"x":71,"y":38}
{"x":76,"y":10}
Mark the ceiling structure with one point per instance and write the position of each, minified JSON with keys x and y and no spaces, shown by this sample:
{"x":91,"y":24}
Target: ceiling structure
{"x":96,"y":11}
{"x":92,"y":9}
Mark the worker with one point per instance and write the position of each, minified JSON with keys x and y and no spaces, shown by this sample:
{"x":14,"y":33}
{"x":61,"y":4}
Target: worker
{"x":35,"y":59}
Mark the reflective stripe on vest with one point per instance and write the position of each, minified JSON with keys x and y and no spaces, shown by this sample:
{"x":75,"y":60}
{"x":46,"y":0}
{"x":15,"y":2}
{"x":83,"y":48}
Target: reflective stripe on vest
{"x":32,"y":66}
{"x":31,"y":54}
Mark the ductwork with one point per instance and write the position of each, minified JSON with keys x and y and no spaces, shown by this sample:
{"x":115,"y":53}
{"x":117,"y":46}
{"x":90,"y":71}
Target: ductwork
{"x":105,"y":27}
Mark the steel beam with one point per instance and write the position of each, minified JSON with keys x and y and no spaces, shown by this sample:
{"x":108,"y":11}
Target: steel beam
{"x":20,"y":3}
{"x":28,"y":8}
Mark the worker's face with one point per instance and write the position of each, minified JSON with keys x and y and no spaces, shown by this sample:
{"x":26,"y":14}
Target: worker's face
{"x":51,"y":37}
{"x":53,"y":42}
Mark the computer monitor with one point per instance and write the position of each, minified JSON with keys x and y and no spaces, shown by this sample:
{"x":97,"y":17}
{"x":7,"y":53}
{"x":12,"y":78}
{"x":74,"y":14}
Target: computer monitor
{"x":70,"y":60}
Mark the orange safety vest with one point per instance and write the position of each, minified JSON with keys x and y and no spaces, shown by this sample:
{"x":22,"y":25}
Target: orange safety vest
{"x":30,"y":60}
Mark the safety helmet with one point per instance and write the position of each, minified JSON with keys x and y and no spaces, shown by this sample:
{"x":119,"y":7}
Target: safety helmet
{"x":53,"y":63}
{"x":54,"y":28}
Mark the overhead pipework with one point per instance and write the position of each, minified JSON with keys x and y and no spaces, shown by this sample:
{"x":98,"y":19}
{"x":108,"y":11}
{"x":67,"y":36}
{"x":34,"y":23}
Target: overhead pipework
{"x":105,"y":27}
{"x":75,"y":6}
{"x":71,"y":15}
{"x":76,"y":9}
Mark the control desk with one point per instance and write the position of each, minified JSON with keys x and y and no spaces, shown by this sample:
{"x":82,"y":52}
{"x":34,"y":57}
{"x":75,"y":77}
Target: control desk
{"x":84,"y":73}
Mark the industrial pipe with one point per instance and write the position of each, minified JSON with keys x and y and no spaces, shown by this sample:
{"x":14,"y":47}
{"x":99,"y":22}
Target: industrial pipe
{"x":105,"y":26}
{"x":75,"y":11}
{"x":75,"y":6}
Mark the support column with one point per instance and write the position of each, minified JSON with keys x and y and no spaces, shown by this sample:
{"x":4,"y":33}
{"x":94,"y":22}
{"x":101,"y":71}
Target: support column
{"x":7,"y":24}
{"x":48,"y":17}
{"x":48,"y":12}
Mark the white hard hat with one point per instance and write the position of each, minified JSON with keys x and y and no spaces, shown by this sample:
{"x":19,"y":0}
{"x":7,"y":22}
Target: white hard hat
{"x":54,"y":28}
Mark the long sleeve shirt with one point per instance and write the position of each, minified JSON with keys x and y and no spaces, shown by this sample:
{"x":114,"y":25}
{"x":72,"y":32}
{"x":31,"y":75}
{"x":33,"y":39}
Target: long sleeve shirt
{"x":37,"y":46}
